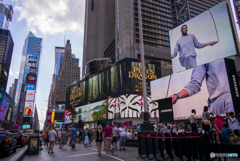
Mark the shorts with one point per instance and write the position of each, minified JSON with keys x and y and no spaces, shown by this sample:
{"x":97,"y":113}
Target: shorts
{"x":108,"y":141}
{"x":123,"y":139}
{"x":52,"y":142}
{"x":114,"y":139}
{"x":73,"y":139}
{"x":236,"y":132}
{"x":98,"y":140}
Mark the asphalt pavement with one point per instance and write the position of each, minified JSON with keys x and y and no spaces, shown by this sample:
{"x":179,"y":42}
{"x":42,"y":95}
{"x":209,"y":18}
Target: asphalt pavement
{"x":4,"y":158}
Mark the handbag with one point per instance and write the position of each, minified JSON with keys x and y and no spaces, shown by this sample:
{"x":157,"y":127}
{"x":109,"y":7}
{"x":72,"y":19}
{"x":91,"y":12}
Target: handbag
{"x":206,"y":122}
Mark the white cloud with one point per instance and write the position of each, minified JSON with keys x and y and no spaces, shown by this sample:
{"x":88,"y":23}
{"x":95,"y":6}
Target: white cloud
{"x":11,"y":72}
{"x":52,"y":16}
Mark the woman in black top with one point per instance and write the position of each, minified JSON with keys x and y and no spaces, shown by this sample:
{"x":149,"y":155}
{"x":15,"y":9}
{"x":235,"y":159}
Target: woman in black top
{"x":99,"y":139}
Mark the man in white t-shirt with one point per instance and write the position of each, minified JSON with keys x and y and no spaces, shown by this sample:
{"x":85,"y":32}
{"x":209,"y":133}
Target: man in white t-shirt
{"x":60,"y":138}
{"x":193,"y":121}
{"x":115,"y":131}
{"x":123,"y":137}
{"x":52,"y":138}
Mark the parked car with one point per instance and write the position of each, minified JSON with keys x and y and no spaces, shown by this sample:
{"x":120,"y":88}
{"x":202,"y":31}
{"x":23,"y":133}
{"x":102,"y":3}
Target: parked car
{"x":20,"y":138}
{"x":8,"y":143}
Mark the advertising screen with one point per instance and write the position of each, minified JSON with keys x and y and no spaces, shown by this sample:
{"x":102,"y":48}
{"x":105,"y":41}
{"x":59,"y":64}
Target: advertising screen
{"x":28,"y":109}
{"x":32,"y":59}
{"x":31,"y":86}
{"x":76,"y":94}
{"x":32,"y":69}
{"x":196,"y":43}
{"x":31,"y":78}
{"x":92,"y":112}
{"x":30,"y":95}
{"x":2,"y":109}
{"x":205,"y":85}
{"x":67,"y":117}
{"x":130,"y":105}
{"x":24,"y":127}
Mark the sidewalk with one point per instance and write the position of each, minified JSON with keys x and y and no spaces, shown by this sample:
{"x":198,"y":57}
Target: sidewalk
{"x":83,"y":153}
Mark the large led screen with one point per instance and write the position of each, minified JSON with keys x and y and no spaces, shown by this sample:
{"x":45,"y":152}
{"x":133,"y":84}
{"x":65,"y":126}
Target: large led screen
{"x":31,"y":86}
{"x":203,"y":39}
{"x":67,"y":117}
{"x":28,"y":109}
{"x":76,"y":94}
{"x":205,"y":85}
{"x":30,"y":95}
{"x":92,"y":112}
{"x":2,"y":109}
{"x":130,"y":106}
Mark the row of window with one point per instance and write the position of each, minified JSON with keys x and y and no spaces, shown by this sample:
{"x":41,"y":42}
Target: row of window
{"x":158,"y":7}
{"x":212,"y":3}
{"x":195,"y":11}
{"x":153,"y":30}
{"x":155,"y":35}
{"x":157,"y":16}
{"x":156,"y":25}
{"x":156,"y":11}
{"x":160,"y":3}
{"x":155,"y":45}
{"x":156,"y":40}
{"x":156,"y":20}
{"x":197,"y":8}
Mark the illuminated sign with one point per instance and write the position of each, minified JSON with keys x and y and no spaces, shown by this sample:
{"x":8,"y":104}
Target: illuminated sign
{"x":30,"y":95}
{"x":32,"y":59}
{"x":67,"y":117}
{"x":28,"y":109}
{"x":137,"y":73}
{"x":53,"y":117}
{"x":31,"y":78}
{"x":31,"y":86}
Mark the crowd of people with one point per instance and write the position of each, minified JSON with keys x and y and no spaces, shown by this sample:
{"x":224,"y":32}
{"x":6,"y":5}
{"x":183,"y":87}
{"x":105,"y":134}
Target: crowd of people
{"x":109,"y":136}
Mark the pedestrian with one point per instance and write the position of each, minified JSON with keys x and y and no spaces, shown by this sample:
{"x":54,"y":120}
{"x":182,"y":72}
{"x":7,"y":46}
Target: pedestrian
{"x":60,"y":138}
{"x":40,"y":139}
{"x":138,"y":128}
{"x":166,"y":129}
{"x":233,"y":124}
{"x":86,"y":141}
{"x":226,"y":135}
{"x":80,"y":136}
{"x":219,"y":122}
{"x":90,"y":135}
{"x":47,"y":138}
{"x":99,"y":139}
{"x":108,"y":135}
{"x":123,"y":137}
{"x":135,"y":134}
{"x":73,"y":136}
{"x":115,"y":135}
{"x":174,"y":128}
{"x":52,"y":138}
{"x":193,"y":121}
{"x":64,"y":138}
{"x":77,"y":136}
{"x":206,"y":120}
{"x":154,"y":127}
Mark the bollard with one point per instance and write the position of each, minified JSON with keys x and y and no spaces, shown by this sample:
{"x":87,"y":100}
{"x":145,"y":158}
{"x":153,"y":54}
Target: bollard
{"x":223,"y":151}
{"x":140,"y":149}
{"x":216,"y":145}
{"x":154,"y":149}
{"x":200,"y":147}
{"x":160,"y":145}
{"x":211,"y":146}
{"x":180,"y":149}
{"x":146,"y":145}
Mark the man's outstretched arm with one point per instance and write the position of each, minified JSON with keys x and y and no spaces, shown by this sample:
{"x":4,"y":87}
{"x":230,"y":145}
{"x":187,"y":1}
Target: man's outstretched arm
{"x":175,"y":51}
{"x":201,"y":45}
{"x":181,"y":94}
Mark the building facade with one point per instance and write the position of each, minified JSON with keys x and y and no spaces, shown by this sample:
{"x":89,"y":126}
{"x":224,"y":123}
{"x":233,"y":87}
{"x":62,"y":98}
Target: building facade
{"x":27,"y":79}
{"x":66,"y":71}
{"x":6,"y":14}
{"x":156,"y":21}
{"x":6,"y":50}
{"x":12,"y":89}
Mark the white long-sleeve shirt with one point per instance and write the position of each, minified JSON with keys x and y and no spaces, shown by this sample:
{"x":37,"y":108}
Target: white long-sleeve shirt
{"x":233,"y":124}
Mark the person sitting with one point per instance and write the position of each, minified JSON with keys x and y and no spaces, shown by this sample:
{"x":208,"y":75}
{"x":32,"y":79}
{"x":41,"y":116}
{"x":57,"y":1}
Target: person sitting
{"x":227,"y":135}
{"x":181,"y":130}
{"x":129,"y":135}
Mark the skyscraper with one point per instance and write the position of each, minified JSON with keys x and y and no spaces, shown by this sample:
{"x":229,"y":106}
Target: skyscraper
{"x":156,"y":19}
{"x":6,"y":14}
{"x":27,"y":79}
{"x":66,"y":71}
{"x":12,"y":89}
{"x":6,"y":50}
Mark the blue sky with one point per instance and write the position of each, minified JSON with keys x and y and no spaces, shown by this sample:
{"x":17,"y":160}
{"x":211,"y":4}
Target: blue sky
{"x":50,"y":20}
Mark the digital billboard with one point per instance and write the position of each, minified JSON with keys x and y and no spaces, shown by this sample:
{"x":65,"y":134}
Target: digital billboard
{"x":196,"y":43}
{"x":30,"y":95}
{"x":31,"y":86}
{"x":129,"y":106}
{"x":31,"y":78}
{"x":209,"y":85}
{"x":76,"y":94}
{"x":67,"y":117}
{"x":2,"y":109}
{"x":28,"y":109}
{"x":91,"y":112}
{"x":32,"y":59}
{"x":32,"y":69}
{"x":25,"y":127}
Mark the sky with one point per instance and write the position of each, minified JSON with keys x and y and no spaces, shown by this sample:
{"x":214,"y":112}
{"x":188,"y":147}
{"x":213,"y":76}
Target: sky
{"x":50,"y":20}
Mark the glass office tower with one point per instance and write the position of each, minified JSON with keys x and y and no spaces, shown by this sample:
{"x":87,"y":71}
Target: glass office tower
{"x":6,"y":13}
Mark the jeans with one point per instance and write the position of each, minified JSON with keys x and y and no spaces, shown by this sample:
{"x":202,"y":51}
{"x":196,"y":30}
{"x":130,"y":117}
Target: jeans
{"x":194,"y":128}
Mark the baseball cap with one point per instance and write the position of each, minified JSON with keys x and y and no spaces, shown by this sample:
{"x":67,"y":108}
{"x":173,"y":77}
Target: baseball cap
{"x":165,"y":122}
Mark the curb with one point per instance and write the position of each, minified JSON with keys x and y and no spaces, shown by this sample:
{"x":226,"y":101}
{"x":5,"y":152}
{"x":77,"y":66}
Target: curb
{"x":20,"y":155}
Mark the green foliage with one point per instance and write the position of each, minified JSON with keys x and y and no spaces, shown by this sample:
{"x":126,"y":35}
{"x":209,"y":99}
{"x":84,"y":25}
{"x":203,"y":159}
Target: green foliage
{"x":97,"y":115}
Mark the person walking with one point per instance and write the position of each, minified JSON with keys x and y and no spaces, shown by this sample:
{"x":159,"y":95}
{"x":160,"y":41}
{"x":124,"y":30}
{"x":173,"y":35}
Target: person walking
{"x":108,"y":132}
{"x":123,"y":137}
{"x":64,"y":138}
{"x":86,"y":141}
{"x":206,"y":120}
{"x":90,"y":135}
{"x":193,"y":121}
{"x":40,"y":140}
{"x":73,"y":136}
{"x":77,"y":136}
{"x":60,"y":138}
{"x":52,"y":138}
{"x":138,"y":128}
{"x":99,"y":139}
{"x":115,"y":131}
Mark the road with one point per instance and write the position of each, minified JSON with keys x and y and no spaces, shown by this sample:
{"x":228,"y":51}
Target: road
{"x":4,"y":158}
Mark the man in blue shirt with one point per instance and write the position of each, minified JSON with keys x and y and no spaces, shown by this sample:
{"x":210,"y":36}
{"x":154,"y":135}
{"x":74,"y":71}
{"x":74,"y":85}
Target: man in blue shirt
{"x":74,"y":134}
{"x":139,"y":128}
{"x":226,"y":132}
